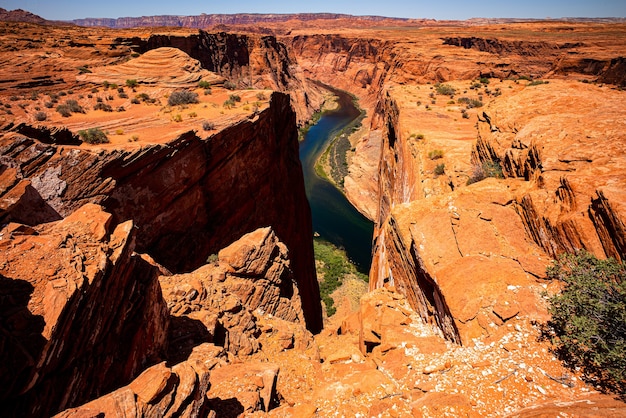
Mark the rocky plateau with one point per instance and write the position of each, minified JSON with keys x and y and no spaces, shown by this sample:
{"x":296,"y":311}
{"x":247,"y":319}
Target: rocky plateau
{"x":169,"y":272}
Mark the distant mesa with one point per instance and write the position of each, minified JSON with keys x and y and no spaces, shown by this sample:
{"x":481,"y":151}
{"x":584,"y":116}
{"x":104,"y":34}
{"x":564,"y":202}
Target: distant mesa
{"x":167,"y":67}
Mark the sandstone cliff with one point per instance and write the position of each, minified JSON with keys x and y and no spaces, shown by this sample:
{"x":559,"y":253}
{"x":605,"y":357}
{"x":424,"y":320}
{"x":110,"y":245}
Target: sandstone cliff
{"x":81,"y":312}
{"x":470,"y":257}
{"x":189,"y":197}
{"x":248,"y":61}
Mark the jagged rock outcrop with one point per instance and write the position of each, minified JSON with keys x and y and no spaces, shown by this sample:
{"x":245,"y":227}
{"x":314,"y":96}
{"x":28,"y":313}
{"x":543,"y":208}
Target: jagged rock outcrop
{"x":470,"y":258}
{"x":81,"y":312}
{"x":578,"y":167}
{"x":190,"y":196}
{"x":161,"y":390}
{"x":251,"y":274}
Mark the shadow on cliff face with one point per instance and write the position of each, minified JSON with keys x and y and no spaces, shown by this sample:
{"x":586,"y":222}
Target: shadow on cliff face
{"x":226,"y":408}
{"x":21,"y":339}
{"x":184,"y":334}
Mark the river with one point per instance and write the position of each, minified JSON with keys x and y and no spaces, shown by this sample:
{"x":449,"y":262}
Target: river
{"x":334,"y":218}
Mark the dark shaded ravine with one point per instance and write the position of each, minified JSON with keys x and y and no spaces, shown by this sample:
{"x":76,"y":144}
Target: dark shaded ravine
{"x":334,"y":218}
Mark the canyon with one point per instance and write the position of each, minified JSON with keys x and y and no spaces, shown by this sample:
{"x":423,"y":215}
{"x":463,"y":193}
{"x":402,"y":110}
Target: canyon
{"x":170,"y":271}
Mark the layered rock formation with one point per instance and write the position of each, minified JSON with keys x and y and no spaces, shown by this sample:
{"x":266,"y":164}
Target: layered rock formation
{"x":82,"y":312}
{"x":167,"y":67}
{"x":436,"y":233}
{"x":189,"y":197}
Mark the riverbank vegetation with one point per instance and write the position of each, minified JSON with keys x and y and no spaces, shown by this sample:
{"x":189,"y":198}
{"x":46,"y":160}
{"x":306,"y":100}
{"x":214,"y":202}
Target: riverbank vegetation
{"x":332,"y":165}
{"x":333,"y":268}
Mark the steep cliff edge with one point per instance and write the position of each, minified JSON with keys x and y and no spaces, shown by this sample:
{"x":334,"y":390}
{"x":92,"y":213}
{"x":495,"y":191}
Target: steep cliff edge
{"x":81,"y":312}
{"x":472,"y":257}
{"x":189,"y":197}
{"x":248,"y":61}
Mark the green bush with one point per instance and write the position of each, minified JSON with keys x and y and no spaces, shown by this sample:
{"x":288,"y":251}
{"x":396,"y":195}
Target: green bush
{"x":41,"y":116}
{"x":93,"y":136}
{"x":132,"y":83}
{"x":440,"y":169}
{"x":182,"y":97}
{"x":229,"y":85}
{"x":588,"y":325}
{"x":435,"y":154}
{"x":471,"y":103}
{"x":445,"y":89}
{"x":234,"y":97}
{"x":204,"y":84}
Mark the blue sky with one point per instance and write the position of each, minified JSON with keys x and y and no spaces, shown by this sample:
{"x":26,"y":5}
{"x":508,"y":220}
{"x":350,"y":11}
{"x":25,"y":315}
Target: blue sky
{"x":437,"y":9}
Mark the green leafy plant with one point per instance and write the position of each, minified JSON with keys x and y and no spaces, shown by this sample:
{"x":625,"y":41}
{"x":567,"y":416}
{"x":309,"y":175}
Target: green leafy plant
{"x":93,"y":136}
{"x":229,"y":85}
{"x":588,"y":324}
{"x":132,"y":83}
{"x":204,"y":84}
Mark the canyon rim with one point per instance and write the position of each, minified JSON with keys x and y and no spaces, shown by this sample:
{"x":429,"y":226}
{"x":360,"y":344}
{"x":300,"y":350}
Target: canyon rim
{"x":156,"y":250}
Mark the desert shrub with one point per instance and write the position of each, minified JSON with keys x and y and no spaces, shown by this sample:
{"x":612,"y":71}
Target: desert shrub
{"x":103,"y":106}
{"x":62,"y":93}
{"x":132,"y":83}
{"x":537,"y":83}
{"x":435,"y":154}
{"x":120,"y":90}
{"x":588,"y":324}
{"x":177,"y":118}
{"x":119,"y":132}
{"x":470,"y":103}
{"x":74,"y":106}
{"x":93,"y":136}
{"x":440,"y":169}
{"x":208,"y":126}
{"x":228,"y":104}
{"x":121,"y":109}
{"x":123,"y":96}
{"x":484,"y":80}
{"x":64,"y":110}
{"x":464,"y":114}
{"x":445,"y":89}
{"x":207,"y":92}
{"x":192,"y":115}
{"x":83,"y":70}
{"x":182,"y":97}
{"x":41,"y":116}
{"x":261,"y":96}
{"x":488,"y":168}
{"x":48,"y":105}
{"x":204,"y":84}
{"x":234,"y":97}
{"x":229,"y":85}
{"x":94,"y":90}
{"x":105,"y":84}
{"x":135,"y":100}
